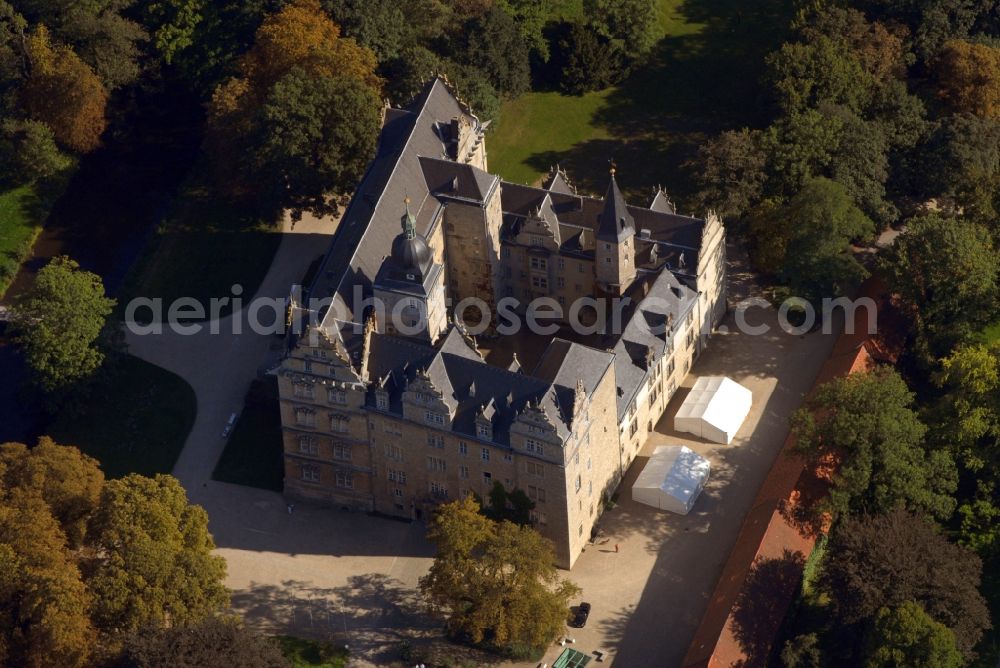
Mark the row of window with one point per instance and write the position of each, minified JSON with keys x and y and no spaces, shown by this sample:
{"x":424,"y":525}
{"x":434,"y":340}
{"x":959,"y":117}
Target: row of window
{"x":306,"y":417}
{"x":308,"y":391}
{"x":342,"y":479}
{"x":309,"y":446}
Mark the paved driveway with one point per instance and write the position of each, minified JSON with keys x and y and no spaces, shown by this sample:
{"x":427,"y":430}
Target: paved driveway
{"x":649,"y":596}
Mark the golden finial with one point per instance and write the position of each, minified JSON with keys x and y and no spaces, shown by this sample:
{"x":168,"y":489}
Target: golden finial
{"x":613,"y":167}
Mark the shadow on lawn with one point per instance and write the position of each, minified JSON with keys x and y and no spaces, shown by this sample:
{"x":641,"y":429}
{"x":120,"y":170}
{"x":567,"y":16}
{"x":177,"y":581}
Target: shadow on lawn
{"x":692,"y":86}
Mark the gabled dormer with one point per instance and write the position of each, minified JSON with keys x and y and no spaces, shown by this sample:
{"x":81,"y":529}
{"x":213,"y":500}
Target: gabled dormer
{"x":425,"y":402}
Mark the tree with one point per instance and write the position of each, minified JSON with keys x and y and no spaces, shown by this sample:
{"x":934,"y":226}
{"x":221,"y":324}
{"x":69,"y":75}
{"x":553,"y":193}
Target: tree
{"x":730,"y":173}
{"x":302,"y":36}
{"x":155,"y":565}
{"x":800,"y":146}
{"x":582,"y":60}
{"x":379,"y":25}
{"x":173,"y":24}
{"x":960,"y":164}
{"x":802,"y":651}
{"x":213,"y":642}
{"x":822,"y":220}
{"x":97,"y":31}
{"x":968,"y":419}
{"x":805,"y":75}
{"x":406,"y":75}
{"x":969,"y":78}
{"x":530,"y":16}
{"x":66,"y":480}
{"x":58,"y":322}
{"x":865,"y":421}
{"x":947,"y":276}
{"x":628,"y":24}
{"x":29,"y":148}
{"x":884,"y":561}
{"x":64,"y":93}
{"x":43,"y":602}
{"x":494,"y":581}
{"x":312,"y":88}
{"x":907,"y":636}
{"x":494,"y":44}
{"x":316,"y":136}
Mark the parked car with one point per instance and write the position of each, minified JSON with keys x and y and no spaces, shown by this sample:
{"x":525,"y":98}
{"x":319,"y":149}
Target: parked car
{"x":580,"y":618}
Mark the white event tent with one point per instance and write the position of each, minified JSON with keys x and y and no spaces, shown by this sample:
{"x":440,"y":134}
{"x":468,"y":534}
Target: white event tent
{"x":714,"y":409}
{"x":672,"y":479}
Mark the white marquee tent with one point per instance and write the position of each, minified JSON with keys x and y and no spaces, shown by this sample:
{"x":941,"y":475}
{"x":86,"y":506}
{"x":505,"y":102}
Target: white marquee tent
{"x":672,"y":479}
{"x":714,"y":409}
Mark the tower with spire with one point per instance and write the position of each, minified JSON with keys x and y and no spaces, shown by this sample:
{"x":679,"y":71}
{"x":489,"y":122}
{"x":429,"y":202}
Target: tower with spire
{"x":614,"y":253}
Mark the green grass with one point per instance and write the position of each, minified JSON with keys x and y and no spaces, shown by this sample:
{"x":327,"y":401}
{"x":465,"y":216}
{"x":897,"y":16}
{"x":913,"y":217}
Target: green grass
{"x":702,"y":77}
{"x":531,"y":128}
{"x":253,"y":455}
{"x":202,"y":250}
{"x":19,"y":227}
{"x":312,"y":653}
{"x":135,"y":421}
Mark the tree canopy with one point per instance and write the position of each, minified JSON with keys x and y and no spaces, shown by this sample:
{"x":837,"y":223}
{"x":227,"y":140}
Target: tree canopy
{"x":969,"y":78}
{"x":58,"y":322}
{"x":83,"y":559}
{"x":947,"y":276}
{"x":884,"y":561}
{"x":908,"y":636}
{"x":867,"y":423}
{"x":494,"y":581}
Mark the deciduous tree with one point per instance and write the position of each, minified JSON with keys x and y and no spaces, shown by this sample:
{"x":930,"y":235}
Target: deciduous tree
{"x":154,"y":564}
{"x":58,"y":322}
{"x":908,"y":636}
{"x":866,"y":423}
{"x":880,"y":561}
{"x":66,"y":480}
{"x":946,"y":273}
{"x":730,"y":173}
{"x":43,"y":601}
{"x":969,"y":78}
{"x":494,"y":581}
{"x":63,"y":92}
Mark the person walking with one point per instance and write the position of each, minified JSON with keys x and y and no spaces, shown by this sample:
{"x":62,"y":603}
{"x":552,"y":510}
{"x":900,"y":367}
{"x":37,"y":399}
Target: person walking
{"x":616,"y":548}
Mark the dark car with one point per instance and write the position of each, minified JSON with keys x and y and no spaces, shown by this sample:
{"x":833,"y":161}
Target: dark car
{"x":580,"y":618}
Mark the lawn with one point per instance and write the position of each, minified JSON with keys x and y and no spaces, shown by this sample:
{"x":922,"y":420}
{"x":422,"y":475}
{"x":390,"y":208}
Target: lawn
{"x":702,"y":77}
{"x":19,"y":226}
{"x":136,"y":420}
{"x":312,"y":653}
{"x":203,"y":248}
{"x":253,"y":454}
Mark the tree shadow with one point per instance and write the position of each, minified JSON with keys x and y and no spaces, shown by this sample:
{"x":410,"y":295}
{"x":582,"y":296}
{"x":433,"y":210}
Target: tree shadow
{"x":689,"y":88}
{"x":372,"y":613}
{"x":760,"y":608}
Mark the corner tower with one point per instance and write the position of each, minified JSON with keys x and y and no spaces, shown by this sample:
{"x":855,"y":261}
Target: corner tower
{"x":614,"y":253}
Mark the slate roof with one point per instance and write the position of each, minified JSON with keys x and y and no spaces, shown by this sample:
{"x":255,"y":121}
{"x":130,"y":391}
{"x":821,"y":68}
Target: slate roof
{"x":564,"y":363}
{"x":649,"y":327}
{"x":615,"y":223}
{"x":457,"y":179}
{"x":371,"y":220}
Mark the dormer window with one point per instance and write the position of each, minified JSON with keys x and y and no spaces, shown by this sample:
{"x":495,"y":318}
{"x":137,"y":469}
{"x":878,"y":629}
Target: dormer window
{"x":382,"y":401}
{"x":484,"y":430}
{"x":431,"y":417}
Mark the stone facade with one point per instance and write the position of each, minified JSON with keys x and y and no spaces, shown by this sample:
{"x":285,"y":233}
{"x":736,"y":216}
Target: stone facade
{"x":377,"y":421}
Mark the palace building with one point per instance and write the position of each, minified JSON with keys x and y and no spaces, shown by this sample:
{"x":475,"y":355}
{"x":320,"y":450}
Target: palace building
{"x":398,"y":407}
